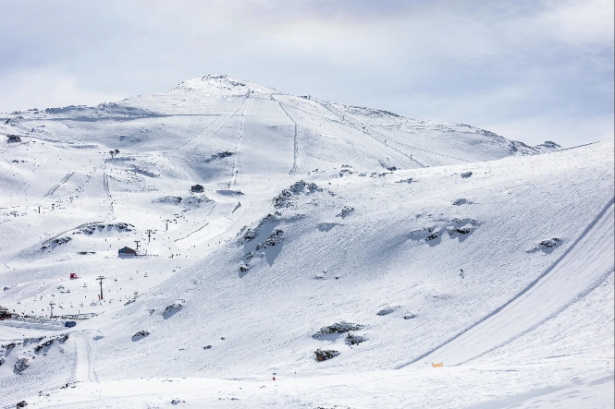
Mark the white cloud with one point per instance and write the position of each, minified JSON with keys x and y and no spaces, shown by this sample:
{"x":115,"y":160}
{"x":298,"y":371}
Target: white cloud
{"x":566,"y":132}
{"x":579,"y":23}
{"x":465,"y":61}
{"x":46,"y":87}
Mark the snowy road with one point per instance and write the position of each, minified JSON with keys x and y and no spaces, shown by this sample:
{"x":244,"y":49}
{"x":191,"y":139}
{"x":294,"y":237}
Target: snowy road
{"x":85,"y":358}
{"x":586,"y":264}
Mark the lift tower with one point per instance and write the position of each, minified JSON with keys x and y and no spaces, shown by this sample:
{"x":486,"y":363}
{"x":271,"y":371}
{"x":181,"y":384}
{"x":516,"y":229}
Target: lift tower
{"x":100,"y":280}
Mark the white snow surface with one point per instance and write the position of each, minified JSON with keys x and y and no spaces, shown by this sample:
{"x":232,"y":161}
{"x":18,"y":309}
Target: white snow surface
{"x":312,"y":214}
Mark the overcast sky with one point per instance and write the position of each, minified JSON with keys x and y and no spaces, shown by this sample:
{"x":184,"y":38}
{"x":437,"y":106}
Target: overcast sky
{"x":528,"y":70}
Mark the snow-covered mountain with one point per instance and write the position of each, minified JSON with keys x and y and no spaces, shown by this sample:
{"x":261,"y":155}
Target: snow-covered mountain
{"x":341,"y":248}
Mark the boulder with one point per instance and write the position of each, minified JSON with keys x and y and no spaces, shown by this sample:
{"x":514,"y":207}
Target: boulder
{"x":172,"y":308}
{"x":345,"y":212}
{"x":324,"y":355}
{"x":338,"y":328}
{"x":274,"y":238}
{"x":432,"y":236}
{"x":409,"y":180}
{"x":386,"y":311}
{"x":550,"y":243}
{"x":353,"y":339}
{"x":21,"y":365}
{"x":140,"y":335}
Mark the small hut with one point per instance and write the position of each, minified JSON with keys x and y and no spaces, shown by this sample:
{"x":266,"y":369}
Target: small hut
{"x":126,"y":251}
{"x":5,"y":313}
{"x":13,"y":138}
{"x":197,"y":189}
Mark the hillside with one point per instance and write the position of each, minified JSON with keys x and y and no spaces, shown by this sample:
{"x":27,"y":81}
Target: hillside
{"x":394,"y":242}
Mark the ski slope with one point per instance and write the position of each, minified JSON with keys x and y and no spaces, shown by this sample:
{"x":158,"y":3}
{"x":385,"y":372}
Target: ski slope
{"x":584,"y":266}
{"x":312,"y":214}
{"x":84,"y":346}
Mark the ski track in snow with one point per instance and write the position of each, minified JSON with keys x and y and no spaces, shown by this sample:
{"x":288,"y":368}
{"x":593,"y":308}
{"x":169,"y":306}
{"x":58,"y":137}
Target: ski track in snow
{"x":432,"y":153}
{"x":85,"y":348}
{"x":64,"y":180}
{"x":336,"y":112}
{"x":189,"y":143}
{"x":11,"y":146}
{"x":293,"y":170}
{"x":348,"y":124}
{"x":580,"y":269}
{"x":191,"y":233}
{"x":109,"y":198}
{"x":235,"y":169}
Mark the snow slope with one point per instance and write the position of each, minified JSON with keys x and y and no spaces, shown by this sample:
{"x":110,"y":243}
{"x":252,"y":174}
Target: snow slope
{"x":584,"y":266}
{"x":313,"y":213}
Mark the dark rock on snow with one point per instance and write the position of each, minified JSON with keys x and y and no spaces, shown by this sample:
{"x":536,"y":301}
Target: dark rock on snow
{"x":274,"y":238}
{"x":197,"y":189}
{"x":338,"y":328}
{"x":352,"y":339}
{"x":386,"y":311}
{"x":140,"y":335}
{"x":550,"y":243}
{"x":324,"y":355}
{"x":21,"y":365}
{"x":345,"y":212}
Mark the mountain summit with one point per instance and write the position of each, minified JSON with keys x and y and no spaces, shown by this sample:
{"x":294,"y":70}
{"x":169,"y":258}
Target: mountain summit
{"x":215,"y":126}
